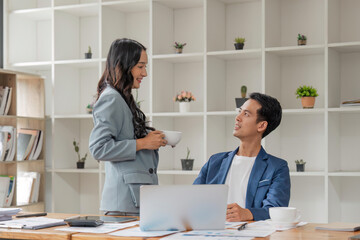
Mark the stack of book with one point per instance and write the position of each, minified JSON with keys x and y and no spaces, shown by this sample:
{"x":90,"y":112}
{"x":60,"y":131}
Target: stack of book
{"x":7,"y":143}
{"x":7,"y":213}
{"x":29,"y":144}
{"x":351,"y":103}
{"x":5,"y":99}
{"x":28,"y":187}
{"x":7,"y":184}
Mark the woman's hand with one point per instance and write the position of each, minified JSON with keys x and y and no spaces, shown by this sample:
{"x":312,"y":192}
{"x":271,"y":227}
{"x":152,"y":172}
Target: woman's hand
{"x":153,"y":140}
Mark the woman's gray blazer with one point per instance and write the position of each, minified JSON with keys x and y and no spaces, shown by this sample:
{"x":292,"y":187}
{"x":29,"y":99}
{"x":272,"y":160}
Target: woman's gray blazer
{"x":113,"y":141}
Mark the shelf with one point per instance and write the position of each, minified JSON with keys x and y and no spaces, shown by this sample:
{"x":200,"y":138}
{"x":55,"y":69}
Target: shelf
{"x":20,"y":117}
{"x":74,"y":116}
{"x":128,"y":6}
{"x":347,"y":47}
{"x":236,"y":54}
{"x":79,"y":63}
{"x":303,"y":111}
{"x":177,"y":114}
{"x":38,"y":14}
{"x":80,"y":10}
{"x":74,"y":170}
{"x":305,"y":174}
{"x":296,"y":50}
{"x":177,"y":172}
{"x":345,"y":109}
{"x":344,"y":174}
{"x":222,"y":113}
{"x":181,"y":3}
{"x":180,"y":58}
{"x":44,"y":65}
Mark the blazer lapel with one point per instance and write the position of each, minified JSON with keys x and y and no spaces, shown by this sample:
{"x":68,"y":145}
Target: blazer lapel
{"x":224,"y":169}
{"x":255,"y":176}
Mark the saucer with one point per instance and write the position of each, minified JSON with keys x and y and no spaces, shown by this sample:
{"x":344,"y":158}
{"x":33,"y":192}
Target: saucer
{"x":282,"y":224}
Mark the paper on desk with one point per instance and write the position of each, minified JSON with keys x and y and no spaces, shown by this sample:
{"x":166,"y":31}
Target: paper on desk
{"x":33,"y":223}
{"x":136,"y":232}
{"x":233,"y":224}
{"x":105,"y":228}
{"x":230,"y":233}
{"x":184,"y":236}
{"x":9,"y":211}
{"x":267,"y":225}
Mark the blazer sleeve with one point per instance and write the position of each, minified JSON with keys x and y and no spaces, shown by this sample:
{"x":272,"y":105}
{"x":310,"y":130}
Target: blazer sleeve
{"x":277,"y":196}
{"x":201,"y":178}
{"x":108,"y":122}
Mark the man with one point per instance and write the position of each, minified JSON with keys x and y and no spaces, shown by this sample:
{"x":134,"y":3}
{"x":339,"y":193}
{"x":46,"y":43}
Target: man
{"x":256,"y":180}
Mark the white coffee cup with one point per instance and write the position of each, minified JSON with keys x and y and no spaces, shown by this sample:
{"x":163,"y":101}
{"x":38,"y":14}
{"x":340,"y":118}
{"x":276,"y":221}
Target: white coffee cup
{"x":284,"y":214}
{"x":172,"y":137}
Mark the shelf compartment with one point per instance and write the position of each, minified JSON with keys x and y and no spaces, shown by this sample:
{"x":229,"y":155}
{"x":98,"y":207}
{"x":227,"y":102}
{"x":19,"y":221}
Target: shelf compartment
{"x":291,"y":141}
{"x":76,"y":28}
{"x":284,"y":74}
{"x":344,"y":136}
{"x":29,"y":28}
{"x":14,"y":5}
{"x":348,"y":47}
{"x":64,"y":133}
{"x":297,"y":50}
{"x":225,"y":78}
{"x":342,"y":14}
{"x":130,"y":17}
{"x":177,"y":77}
{"x":81,"y":191}
{"x":192,"y":136}
{"x":180,"y":58}
{"x":178,"y":21}
{"x":227,"y":20}
{"x":73,"y":3}
{"x":83,"y":82}
{"x":236,"y":54}
{"x":284,"y":20}
{"x":343,"y":83}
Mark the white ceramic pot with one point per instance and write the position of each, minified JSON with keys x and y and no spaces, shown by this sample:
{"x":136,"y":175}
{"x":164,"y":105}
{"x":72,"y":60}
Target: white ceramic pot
{"x":184,"y":107}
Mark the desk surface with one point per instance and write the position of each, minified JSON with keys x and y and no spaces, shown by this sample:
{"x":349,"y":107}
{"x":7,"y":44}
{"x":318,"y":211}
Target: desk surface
{"x":306,"y":232}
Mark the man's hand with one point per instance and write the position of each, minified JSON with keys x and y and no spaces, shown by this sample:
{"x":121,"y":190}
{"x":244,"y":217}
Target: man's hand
{"x":235,"y":213}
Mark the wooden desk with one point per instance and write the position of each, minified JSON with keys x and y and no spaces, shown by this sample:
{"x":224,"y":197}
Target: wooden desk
{"x":306,"y":232}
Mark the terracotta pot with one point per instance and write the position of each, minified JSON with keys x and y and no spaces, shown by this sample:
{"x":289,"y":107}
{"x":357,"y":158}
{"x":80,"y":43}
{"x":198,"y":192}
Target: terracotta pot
{"x":178,"y":50}
{"x":308,"y":102}
{"x":301,"y":42}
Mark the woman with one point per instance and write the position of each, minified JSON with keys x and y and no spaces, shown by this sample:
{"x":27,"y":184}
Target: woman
{"x":120,"y":136}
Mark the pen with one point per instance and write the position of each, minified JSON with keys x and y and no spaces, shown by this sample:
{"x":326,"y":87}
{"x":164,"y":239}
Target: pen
{"x":31,"y":215}
{"x":242,"y":226}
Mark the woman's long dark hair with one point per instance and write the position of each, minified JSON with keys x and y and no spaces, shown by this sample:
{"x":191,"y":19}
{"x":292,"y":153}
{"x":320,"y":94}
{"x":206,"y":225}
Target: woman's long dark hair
{"x":123,"y":55}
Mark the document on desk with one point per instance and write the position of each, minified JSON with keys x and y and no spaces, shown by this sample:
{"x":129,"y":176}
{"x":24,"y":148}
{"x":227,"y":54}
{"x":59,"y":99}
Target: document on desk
{"x":183,"y":236}
{"x":105,"y":228}
{"x":233,"y":224}
{"x":136,"y":232}
{"x":32,"y":223}
{"x":228,"y":233}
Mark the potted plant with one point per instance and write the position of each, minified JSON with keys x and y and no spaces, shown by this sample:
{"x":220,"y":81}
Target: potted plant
{"x":184,"y":99}
{"x":300,"y":165}
{"x":239,"y":43}
{"x":179,"y":47}
{"x":301,"y":39}
{"x":88,"y":54}
{"x":240,"y":101}
{"x":307,"y":95}
{"x":187,"y":163}
{"x":90,"y":106}
{"x":81,"y":161}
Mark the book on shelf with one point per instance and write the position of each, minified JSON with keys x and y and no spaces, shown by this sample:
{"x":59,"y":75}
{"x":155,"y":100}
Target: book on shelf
{"x":7,"y":143}
{"x":7,"y":185}
{"x":28,"y":187}
{"x":5,"y":100}
{"x":29,"y":144}
{"x":355,"y":102}
{"x":340,"y":226}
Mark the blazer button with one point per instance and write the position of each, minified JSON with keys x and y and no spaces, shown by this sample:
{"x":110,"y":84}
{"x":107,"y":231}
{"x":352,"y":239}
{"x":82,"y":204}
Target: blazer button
{"x":151,"y":170}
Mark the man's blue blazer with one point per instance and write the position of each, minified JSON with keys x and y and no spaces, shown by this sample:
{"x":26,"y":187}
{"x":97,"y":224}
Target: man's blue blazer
{"x":269,"y":182}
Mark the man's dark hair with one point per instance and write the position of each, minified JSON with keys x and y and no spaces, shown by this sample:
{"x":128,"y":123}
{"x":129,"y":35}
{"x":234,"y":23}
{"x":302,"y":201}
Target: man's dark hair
{"x":270,"y":111}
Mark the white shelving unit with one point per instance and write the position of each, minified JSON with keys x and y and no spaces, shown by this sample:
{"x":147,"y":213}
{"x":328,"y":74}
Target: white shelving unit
{"x":49,"y":37}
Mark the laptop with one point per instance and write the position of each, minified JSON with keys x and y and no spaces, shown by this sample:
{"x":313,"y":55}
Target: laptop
{"x":183,"y":207}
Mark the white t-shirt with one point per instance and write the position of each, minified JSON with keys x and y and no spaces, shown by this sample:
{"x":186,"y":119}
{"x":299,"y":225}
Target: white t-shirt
{"x":237,"y":179}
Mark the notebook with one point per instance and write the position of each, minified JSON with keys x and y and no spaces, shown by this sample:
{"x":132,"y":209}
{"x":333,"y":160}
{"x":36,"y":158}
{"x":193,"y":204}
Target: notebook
{"x":183,"y":207}
{"x":338,"y":226}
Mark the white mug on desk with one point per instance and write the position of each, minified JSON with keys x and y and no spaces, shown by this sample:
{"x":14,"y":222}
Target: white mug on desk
{"x":284,"y":214}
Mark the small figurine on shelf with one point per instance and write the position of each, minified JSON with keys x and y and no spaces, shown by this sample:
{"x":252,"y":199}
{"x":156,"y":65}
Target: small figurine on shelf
{"x":300,"y":165}
{"x":179,"y":47}
{"x":301,"y":39}
{"x":81,"y":161}
{"x":88,"y":54}
{"x":239,"y":43}
{"x":187,"y":163}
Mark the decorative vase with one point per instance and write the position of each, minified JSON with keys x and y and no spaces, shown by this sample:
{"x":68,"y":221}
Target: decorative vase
{"x":240,"y":101}
{"x":308,"y":102}
{"x":184,"y":107}
{"x":88,"y":55}
{"x":239,"y":46}
{"x":300,"y":167}
{"x":187,"y":164}
{"x":301,"y":42}
{"x":178,"y":50}
{"x":80,"y":164}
